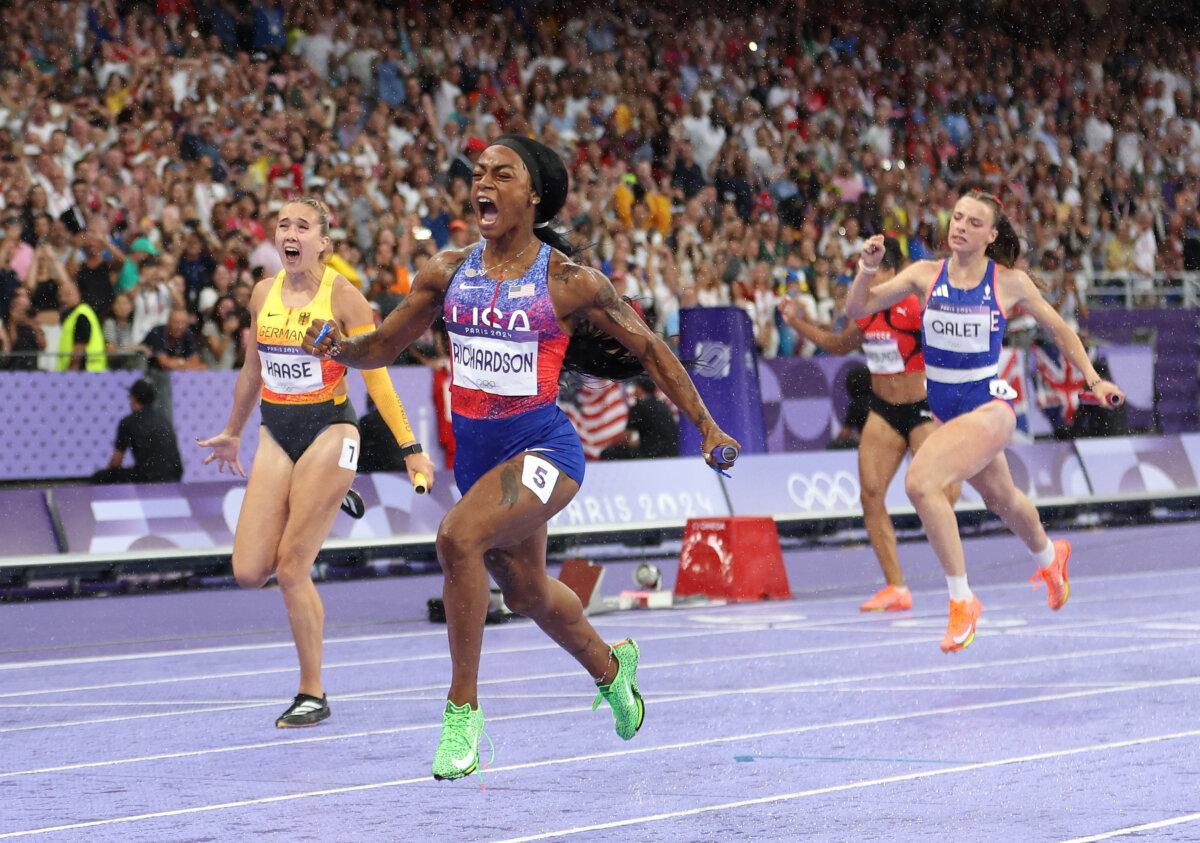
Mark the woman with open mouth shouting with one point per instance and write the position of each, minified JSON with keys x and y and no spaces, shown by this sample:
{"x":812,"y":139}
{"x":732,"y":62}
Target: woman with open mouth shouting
{"x":517,"y":310}
{"x":308,"y":446}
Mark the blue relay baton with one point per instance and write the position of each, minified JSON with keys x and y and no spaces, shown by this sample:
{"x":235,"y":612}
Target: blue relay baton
{"x":325,"y":331}
{"x":723,"y":454}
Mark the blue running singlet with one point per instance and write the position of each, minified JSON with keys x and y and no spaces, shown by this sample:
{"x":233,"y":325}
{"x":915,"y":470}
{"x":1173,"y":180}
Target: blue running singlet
{"x":963,"y":331}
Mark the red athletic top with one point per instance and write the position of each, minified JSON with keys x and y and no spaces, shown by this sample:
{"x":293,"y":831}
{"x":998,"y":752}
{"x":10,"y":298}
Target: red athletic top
{"x":892,"y":338}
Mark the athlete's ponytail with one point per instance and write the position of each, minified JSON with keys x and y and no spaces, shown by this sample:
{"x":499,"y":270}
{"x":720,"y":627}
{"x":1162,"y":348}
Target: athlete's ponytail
{"x":1006,"y":248}
{"x":593,"y":352}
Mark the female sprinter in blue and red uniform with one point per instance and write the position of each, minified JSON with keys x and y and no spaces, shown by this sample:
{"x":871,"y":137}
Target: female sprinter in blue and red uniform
{"x":899,"y":420}
{"x":308,"y":445}
{"x":965,"y":300}
{"x":514,"y":307}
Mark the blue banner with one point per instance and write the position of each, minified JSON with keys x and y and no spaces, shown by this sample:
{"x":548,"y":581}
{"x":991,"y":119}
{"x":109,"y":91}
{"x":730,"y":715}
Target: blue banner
{"x":717,"y":346}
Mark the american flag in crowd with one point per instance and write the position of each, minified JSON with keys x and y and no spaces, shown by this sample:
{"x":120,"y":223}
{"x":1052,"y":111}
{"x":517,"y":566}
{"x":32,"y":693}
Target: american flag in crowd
{"x":1057,"y":382}
{"x":599,"y":412}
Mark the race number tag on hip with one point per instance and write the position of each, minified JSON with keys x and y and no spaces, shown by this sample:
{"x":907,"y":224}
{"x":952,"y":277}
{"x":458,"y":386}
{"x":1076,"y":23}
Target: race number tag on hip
{"x":540,"y":476}
{"x":494,"y":360}
{"x":1002,"y":389}
{"x":883,"y":356}
{"x":967,"y":330}
{"x":287,"y":370}
{"x":349,"y":458}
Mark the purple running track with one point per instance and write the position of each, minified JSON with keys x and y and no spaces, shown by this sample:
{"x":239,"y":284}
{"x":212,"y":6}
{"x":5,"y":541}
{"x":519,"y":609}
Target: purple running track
{"x":150,"y":717}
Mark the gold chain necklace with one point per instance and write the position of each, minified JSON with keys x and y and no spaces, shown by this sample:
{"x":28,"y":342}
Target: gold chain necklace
{"x":495,"y":271}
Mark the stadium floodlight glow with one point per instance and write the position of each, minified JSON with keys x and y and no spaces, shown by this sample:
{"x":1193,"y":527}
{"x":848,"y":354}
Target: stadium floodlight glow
{"x":753,"y":46}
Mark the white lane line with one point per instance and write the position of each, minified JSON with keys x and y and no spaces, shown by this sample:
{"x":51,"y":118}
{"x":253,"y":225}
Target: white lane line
{"x":878,"y":622}
{"x":686,"y":697}
{"x":692,"y":632}
{"x":707,"y":660}
{"x":202,"y":651}
{"x":841,"y":788}
{"x":1134,"y":829}
{"x":658,"y":748}
{"x":439,"y":686}
{"x":735,"y":610}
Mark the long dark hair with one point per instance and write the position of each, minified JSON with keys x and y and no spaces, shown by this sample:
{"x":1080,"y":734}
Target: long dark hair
{"x":1006,"y":248}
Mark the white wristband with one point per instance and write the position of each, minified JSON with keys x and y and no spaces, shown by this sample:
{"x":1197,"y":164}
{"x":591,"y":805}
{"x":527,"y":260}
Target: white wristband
{"x":866,"y":270}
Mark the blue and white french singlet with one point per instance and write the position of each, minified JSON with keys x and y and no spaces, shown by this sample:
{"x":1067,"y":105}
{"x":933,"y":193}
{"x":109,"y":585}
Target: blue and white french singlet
{"x":962,"y":331}
{"x":506,"y":352}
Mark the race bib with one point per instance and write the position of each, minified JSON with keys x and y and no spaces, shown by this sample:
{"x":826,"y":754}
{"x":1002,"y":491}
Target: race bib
{"x":288,"y":370}
{"x":966,"y":330}
{"x":883,"y":356}
{"x":1002,"y":389}
{"x":494,"y":360}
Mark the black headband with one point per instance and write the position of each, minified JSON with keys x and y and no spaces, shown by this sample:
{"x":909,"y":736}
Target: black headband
{"x":513,"y":142}
{"x":547,"y":173}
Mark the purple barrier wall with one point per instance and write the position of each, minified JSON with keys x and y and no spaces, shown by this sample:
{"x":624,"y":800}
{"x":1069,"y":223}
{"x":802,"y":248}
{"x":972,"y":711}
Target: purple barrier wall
{"x":615,"y":495}
{"x":803,"y":398}
{"x":1150,"y":464}
{"x":1177,"y":354}
{"x":25,"y":527}
{"x":200,"y":403}
{"x":60,"y":424}
{"x":196,"y":516}
{"x":826,"y":483}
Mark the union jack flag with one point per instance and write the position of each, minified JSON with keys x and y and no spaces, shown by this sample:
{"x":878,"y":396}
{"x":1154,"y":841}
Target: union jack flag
{"x":1057,"y":383}
{"x":1013,"y":371}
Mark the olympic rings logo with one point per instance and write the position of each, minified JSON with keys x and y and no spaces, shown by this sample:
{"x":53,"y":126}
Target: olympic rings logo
{"x":821,"y":491}
{"x":486,"y":384}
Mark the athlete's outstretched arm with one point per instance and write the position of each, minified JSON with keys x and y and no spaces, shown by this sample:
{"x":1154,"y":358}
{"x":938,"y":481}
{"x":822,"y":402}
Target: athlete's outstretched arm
{"x":246,"y":390}
{"x":848,"y":340}
{"x":406,"y":323}
{"x":594,"y":299}
{"x":1029,"y":299}
{"x":863,"y":299}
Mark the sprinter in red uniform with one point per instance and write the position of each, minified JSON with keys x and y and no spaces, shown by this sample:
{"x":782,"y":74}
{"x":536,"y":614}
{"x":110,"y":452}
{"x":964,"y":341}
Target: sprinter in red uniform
{"x":899,"y":421}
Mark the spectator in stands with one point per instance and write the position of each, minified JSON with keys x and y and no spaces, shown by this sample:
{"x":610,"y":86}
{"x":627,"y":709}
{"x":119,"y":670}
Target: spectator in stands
{"x":23,"y":336}
{"x":94,"y":276}
{"x":172,"y":347}
{"x":221,"y":337}
{"x":149,"y":435}
{"x":81,"y":342}
{"x":15,"y":253}
{"x":143,"y":135}
{"x":651,"y":430}
{"x":120,"y":335}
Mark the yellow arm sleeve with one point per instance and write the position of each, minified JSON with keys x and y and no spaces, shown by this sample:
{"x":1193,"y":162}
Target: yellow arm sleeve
{"x":383,"y":393}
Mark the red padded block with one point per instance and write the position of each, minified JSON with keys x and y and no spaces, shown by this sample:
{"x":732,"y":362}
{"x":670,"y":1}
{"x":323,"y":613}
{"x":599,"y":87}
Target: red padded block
{"x":735,"y":558}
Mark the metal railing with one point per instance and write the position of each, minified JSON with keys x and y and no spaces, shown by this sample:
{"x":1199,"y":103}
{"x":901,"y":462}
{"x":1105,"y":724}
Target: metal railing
{"x":45,"y":360}
{"x":1129,"y":290}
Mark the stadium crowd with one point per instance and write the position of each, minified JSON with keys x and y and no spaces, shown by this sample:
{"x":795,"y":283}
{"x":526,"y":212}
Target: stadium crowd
{"x":145,"y":148}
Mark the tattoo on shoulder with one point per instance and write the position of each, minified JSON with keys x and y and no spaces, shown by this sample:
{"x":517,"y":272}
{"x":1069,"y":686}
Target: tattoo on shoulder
{"x":607,"y":299}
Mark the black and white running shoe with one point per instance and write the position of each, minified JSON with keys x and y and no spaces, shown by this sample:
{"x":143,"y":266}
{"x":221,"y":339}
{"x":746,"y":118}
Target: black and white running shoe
{"x":353,"y":505}
{"x":305,"y":710}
